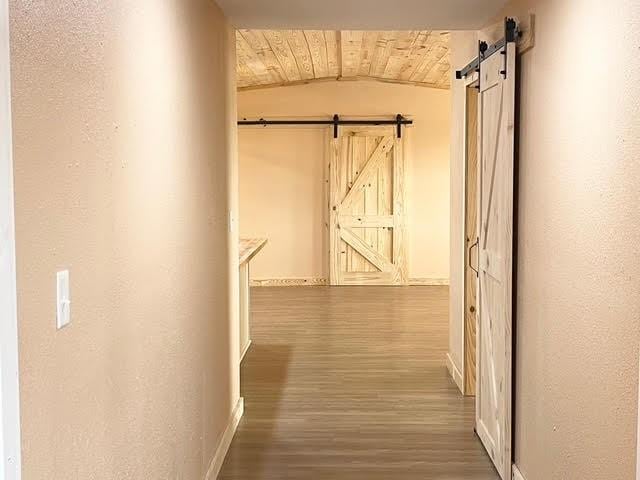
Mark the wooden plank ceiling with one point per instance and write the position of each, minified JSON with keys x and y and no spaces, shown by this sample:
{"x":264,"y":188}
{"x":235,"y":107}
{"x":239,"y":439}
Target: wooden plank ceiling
{"x":289,"y":57}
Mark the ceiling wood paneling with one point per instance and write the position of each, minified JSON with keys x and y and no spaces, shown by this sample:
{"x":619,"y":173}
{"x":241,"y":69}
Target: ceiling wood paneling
{"x":269,"y":58}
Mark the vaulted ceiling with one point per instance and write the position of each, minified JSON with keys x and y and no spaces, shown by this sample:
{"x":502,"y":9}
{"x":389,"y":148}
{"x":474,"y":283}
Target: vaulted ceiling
{"x":290,"y":57}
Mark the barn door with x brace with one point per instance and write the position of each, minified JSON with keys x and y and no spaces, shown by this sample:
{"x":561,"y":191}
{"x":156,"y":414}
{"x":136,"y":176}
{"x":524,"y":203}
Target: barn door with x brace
{"x":366,"y":227}
{"x":496,"y":125}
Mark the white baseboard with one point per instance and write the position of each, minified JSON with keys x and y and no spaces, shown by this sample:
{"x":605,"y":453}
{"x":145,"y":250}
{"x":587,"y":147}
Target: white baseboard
{"x":288,"y":282}
{"x":297,"y":282}
{"x":244,"y":351}
{"x":221,"y":452}
{"x":516,"y":473}
{"x":430,"y":282}
{"x":455,"y":373}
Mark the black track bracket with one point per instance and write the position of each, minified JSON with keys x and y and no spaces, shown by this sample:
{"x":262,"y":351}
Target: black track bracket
{"x":485,"y":51}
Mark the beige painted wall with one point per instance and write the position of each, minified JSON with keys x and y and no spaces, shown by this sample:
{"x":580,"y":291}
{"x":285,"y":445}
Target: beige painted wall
{"x":578,"y":269}
{"x":282,"y":171}
{"x":122,"y":118}
{"x":281,"y":197}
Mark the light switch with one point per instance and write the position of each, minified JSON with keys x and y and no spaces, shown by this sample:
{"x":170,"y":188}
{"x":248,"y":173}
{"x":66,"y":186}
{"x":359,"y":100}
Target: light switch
{"x":63,"y":306}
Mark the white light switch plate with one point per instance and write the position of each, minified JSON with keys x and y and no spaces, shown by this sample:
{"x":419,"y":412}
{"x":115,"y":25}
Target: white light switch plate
{"x":63,"y":303}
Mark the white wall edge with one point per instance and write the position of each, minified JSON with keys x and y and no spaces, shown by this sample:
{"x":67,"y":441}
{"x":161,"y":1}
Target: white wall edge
{"x":455,"y":373}
{"x":10,"y":466}
{"x":516,"y":475}
{"x":225,"y":442}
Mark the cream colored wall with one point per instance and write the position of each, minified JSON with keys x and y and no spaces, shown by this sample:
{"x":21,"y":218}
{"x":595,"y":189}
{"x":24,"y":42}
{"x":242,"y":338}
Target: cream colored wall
{"x":578,"y":268}
{"x":122,"y":139}
{"x":282,"y":171}
{"x":281,"y":197}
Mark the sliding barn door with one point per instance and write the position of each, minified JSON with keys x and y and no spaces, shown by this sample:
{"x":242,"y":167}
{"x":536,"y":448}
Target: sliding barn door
{"x":366,"y":208}
{"x":495,"y":216}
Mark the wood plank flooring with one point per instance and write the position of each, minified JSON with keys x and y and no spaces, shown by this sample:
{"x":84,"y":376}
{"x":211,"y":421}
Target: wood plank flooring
{"x":351,"y":383}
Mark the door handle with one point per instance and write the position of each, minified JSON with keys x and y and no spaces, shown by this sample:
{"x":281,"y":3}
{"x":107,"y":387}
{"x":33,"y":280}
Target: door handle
{"x":475,"y":244}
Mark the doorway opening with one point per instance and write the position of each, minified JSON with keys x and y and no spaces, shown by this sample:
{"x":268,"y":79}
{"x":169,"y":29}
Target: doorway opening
{"x":348,"y":212}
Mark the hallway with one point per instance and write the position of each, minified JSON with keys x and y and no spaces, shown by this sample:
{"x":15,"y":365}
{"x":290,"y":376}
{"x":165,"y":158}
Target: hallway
{"x":350,"y":383}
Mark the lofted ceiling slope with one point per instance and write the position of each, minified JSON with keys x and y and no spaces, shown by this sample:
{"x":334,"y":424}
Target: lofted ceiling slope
{"x":361,"y":14}
{"x":289,"y":57}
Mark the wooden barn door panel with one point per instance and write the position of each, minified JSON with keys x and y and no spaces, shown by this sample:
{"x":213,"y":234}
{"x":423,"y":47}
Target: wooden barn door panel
{"x":495,"y":217}
{"x":366,"y":190}
{"x":471,"y":242}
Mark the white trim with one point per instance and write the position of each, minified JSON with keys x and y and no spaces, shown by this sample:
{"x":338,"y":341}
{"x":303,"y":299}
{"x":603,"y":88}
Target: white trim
{"x":244,"y":350}
{"x":515,"y":473}
{"x":455,"y":373}
{"x":225,"y":442}
{"x":288,"y":282}
{"x":638,"y":443}
{"x":9,"y":385}
{"x":428,"y":282}
{"x":321,"y":281}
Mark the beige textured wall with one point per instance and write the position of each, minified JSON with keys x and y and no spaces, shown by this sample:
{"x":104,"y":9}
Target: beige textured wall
{"x":281,"y":173}
{"x":578,"y":269}
{"x":122,"y":136}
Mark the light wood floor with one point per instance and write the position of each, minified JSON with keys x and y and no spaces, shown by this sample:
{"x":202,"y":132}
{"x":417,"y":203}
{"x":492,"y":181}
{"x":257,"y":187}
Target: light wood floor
{"x":351,"y":383}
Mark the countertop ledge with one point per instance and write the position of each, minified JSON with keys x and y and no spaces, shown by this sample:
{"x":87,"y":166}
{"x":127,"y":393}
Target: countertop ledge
{"x":249,"y":247}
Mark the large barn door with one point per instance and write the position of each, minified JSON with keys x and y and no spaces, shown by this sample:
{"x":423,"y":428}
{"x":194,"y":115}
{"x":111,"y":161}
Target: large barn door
{"x":495,"y":216}
{"x":366,"y":227}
